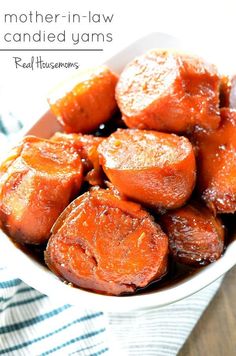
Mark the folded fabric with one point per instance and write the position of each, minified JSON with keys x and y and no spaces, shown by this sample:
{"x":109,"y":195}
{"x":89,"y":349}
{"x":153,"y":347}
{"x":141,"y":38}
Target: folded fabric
{"x":33,"y":324}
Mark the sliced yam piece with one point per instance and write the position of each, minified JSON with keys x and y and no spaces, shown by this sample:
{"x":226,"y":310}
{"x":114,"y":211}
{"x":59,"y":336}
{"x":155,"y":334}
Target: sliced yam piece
{"x":228,"y":92}
{"x":85,"y":101}
{"x":106,"y":244}
{"x":196,"y":236}
{"x":154,"y":168}
{"x":38,"y":181}
{"x":217,"y":164}
{"x":169,"y":91}
{"x":86,"y":146}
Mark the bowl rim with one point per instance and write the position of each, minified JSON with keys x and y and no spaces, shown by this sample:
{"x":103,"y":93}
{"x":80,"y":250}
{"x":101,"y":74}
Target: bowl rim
{"x":43,"y":280}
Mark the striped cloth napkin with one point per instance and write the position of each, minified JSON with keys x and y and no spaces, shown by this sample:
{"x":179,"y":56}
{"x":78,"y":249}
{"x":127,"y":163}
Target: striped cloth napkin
{"x":34,"y":324}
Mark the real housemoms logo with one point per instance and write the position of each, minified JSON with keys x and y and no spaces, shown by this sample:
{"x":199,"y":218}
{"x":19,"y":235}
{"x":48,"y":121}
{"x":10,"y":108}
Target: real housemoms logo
{"x":37,"y":62}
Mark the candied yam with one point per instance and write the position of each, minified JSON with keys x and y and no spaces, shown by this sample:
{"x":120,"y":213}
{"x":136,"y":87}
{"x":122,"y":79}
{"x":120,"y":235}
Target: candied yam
{"x":196,"y":236}
{"x":169,"y":91}
{"x":216,"y":159}
{"x":86,"y":146}
{"x":106,"y":244}
{"x":154,"y":168}
{"x":36,"y":187}
{"x":85,"y":101}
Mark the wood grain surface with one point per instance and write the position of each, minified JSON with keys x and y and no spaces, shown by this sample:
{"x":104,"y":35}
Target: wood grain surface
{"x":215,"y":333}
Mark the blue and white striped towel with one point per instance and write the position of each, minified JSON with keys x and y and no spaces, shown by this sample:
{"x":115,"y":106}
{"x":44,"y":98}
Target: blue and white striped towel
{"x":33,"y":324}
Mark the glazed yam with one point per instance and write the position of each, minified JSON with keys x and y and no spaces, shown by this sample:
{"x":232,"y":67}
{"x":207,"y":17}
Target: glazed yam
{"x":86,"y":146}
{"x":106,"y":244}
{"x":168,"y":91}
{"x":217,"y":164}
{"x":196,"y":236}
{"x":85,"y":101}
{"x":157,"y":169}
{"x":37,"y":182}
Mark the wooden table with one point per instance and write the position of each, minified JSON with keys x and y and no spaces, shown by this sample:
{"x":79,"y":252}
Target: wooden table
{"x":215,"y":333}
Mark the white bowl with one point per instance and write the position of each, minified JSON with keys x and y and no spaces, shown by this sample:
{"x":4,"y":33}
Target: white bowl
{"x":39,"y":277}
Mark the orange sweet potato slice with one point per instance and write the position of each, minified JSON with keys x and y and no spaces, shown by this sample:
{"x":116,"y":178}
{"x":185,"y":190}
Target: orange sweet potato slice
{"x":217,"y":164}
{"x":196,"y":236}
{"x":103,"y":243}
{"x":86,"y":146}
{"x":85,"y":101}
{"x":154,"y":168}
{"x":37,"y":182}
{"x":169,"y":91}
